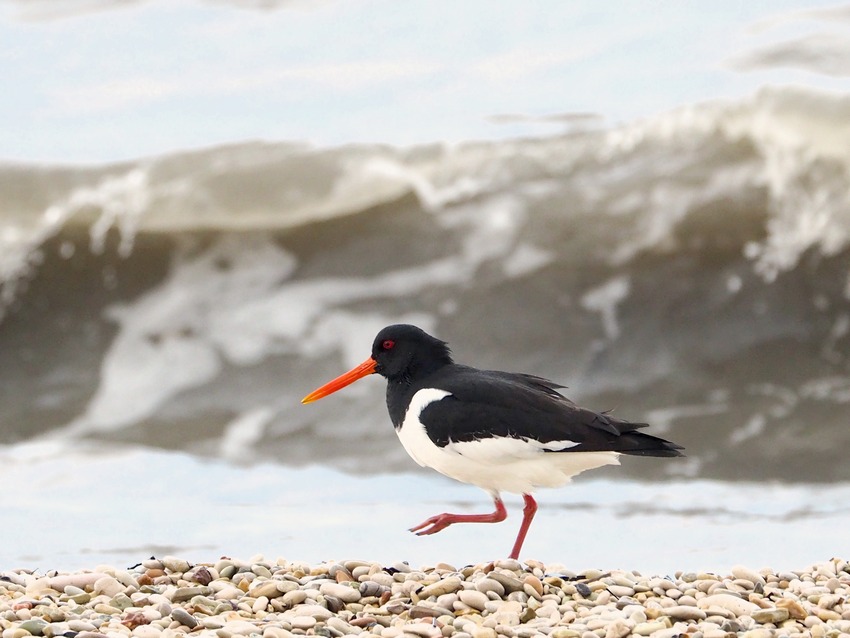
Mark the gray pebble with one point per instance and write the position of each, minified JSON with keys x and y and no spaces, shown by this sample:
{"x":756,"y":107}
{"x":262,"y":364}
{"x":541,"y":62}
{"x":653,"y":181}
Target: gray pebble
{"x":184,"y":617}
{"x":510,"y":583}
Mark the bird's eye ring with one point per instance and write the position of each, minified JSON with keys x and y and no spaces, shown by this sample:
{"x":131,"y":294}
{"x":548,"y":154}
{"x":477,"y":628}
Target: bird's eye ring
{"x":388,"y":344}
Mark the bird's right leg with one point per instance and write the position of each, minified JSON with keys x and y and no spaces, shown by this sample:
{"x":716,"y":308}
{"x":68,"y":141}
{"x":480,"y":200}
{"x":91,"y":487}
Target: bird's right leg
{"x":442,"y":521}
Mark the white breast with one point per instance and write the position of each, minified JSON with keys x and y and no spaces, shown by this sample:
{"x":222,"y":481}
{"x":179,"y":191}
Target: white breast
{"x":495,"y":464}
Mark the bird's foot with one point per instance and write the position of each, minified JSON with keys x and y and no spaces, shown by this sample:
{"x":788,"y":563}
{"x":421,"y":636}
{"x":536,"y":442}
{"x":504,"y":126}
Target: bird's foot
{"x":442,"y":521}
{"x":434,"y":524}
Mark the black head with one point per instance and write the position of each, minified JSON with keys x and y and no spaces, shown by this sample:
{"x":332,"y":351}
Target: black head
{"x":403,"y":352}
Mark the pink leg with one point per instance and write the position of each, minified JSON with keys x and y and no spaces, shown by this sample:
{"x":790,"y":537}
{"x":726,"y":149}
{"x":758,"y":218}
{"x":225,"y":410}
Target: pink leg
{"x":527,"y":514}
{"x":442,"y":521}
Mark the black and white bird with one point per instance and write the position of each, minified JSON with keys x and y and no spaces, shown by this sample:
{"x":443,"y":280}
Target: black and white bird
{"x":501,"y":431}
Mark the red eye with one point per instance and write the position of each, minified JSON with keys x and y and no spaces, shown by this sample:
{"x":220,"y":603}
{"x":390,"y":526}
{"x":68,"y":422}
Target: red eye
{"x":388,"y":344}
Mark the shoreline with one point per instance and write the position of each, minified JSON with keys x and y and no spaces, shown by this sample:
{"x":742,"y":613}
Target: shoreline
{"x":169,"y":597}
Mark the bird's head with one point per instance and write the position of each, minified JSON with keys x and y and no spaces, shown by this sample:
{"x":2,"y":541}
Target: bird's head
{"x":399,"y":352}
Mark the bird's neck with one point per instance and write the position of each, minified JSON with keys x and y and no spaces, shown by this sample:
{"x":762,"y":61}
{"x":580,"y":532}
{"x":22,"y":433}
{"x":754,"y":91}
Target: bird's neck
{"x":399,"y":393}
{"x":400,"y":390}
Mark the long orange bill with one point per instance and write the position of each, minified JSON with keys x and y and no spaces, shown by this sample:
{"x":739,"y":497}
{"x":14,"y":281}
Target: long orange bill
{"x":364,"y":369}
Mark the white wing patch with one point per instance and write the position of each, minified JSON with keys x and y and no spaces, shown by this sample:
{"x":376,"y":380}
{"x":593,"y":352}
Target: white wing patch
{"x":494,"y":464}
{"x":412,"y":432}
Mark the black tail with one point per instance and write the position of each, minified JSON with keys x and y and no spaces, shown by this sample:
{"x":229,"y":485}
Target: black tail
{"x":640,"y":444}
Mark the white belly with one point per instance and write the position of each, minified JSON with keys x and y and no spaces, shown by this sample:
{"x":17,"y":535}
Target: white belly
{"x":496,"y":465}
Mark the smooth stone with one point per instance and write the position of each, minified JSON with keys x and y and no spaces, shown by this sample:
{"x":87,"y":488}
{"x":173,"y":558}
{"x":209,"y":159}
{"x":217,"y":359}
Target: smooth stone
{"x":273,"y":588}
{"x":773,"y":615}
{"x":729,"y":602}
{"x":486,"y":585}
{"x":174,"y":564}
{"x":424,"y":630}
{"x":795,"y":609}
{"x":617,"y":629}
{"x":260,"y":605}
{"x":108,"y":586}
{"x":303,"y":622}
{"x":341,"y":626}
{"x":345,"y":593}
{"x":371,"y":588}
{"x":532,"y":581}
{"x":473,"y":598}
{"x":583,"y":590}
{"x":421,"y":611}
{"x":183,"y":594}
{"x":34,"y":626}
{"x":228,"y":571}
{"x":184,"y":617}
{"x":83,"y":580}
{"x":295,"y":597}
{"x":239,"y":628}
{"x":316,"y":611}
{"x":445,"y":586}
{"x":79,"y":596}
{"x":122,"y":601}
{"x":334,"y":604}
{"x":261,"y":570}
{"x":506,"y":618}
{"x":203,"y":575}
{"x":683,"y":612}
{"x":745,"y":573}
{"x":732,"y":626}
{"x":228,"y":592}
{"x":510,"y":583}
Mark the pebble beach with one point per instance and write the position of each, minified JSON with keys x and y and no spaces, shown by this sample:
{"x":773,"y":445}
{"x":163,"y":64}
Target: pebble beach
{"x":169,"y":597}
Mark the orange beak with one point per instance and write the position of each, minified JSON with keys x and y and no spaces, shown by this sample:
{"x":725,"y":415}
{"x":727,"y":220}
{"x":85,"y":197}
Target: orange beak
{"x":364,"y":369}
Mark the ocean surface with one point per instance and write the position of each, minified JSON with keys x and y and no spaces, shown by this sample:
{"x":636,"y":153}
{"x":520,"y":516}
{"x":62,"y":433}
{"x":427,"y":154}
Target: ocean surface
{"x":161,"y":318}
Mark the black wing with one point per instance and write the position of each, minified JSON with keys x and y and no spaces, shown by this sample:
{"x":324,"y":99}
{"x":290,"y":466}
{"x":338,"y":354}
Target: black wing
{"x":486,"y":403}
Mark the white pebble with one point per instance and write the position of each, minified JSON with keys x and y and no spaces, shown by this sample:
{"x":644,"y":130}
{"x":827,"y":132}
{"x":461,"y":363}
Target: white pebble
{"x":345,"y":593}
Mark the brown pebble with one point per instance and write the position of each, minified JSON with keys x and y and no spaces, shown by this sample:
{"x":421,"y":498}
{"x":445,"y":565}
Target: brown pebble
{"x":133,"y":619}
{"x":795,"y":609}
{"x":535,"y":583}
{"x":343,"y":576}
{"x":203,"y":576}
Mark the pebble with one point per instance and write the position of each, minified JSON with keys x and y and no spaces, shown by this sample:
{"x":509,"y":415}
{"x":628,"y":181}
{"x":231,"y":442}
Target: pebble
{"x":441,"y":587}
{"x":184,"y":618}
{"x":345,"y":593}
{"x":486,"y":585}
{"x":163,"y":598}
{"x":729,"y":602}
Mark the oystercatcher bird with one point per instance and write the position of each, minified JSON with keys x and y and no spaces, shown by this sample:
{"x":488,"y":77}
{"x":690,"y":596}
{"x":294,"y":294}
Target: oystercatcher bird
{"x":501,"y":431}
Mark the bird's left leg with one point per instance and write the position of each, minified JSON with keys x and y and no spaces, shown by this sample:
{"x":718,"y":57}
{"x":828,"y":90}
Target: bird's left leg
{"x":442,"y":521}
{"x":528,"y":513}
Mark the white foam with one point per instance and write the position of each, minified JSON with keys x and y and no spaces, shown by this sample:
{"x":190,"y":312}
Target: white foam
{"x":604,"y":299}
{"x":122,"y":199}
{"x":244,"y":432}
